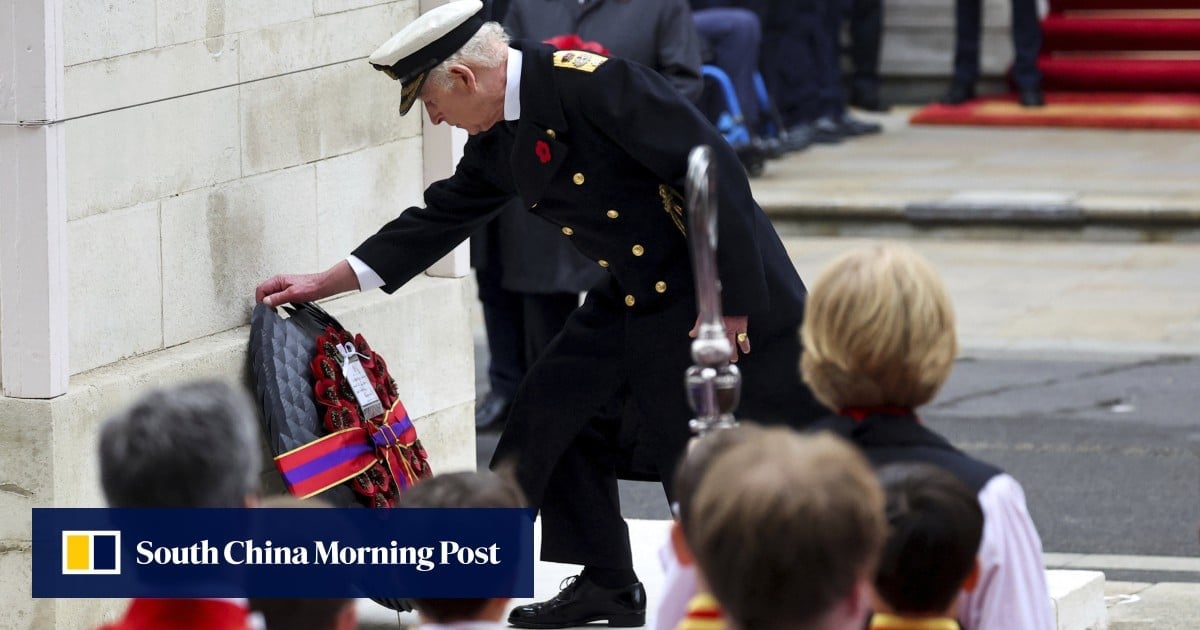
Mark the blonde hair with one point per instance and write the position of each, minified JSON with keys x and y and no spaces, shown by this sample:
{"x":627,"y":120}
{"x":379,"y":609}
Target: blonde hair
{"x":878,"y":330}
{"x":784,"y":525}
{"x":485,"y":49}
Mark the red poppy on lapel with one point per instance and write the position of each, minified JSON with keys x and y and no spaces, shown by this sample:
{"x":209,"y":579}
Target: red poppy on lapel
{"x":542,"y":150}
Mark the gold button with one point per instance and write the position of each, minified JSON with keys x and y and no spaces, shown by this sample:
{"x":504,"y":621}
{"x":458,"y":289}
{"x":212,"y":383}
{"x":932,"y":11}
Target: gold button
{"x":612,"y":214}
{"x":660,"y":286}
{"x":638,"y":250}
{"x":568,"y":231}
{"x":603,"y":263}
{"x":629,"y":300}
{"x":550,"y":132}
{"x":578,"y":179}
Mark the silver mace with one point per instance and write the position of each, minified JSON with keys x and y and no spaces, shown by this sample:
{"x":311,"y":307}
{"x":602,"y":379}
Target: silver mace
{"x":714,"y":385}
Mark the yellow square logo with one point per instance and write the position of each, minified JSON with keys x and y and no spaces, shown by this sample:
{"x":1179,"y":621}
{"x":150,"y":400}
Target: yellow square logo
{"x":91,"y":552}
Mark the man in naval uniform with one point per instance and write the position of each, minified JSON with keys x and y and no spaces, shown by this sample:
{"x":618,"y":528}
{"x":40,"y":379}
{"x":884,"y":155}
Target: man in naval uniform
{"x":597,"y":146}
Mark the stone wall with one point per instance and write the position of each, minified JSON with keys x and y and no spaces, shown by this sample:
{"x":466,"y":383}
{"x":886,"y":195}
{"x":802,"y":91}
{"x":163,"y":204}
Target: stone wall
{"x":207,"y":146}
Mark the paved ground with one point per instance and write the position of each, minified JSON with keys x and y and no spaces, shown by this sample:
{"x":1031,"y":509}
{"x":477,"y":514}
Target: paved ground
{"x":1101,"y":171}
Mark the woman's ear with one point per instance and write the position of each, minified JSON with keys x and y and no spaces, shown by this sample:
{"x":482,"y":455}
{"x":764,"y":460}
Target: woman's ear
{"x":679,"y":544}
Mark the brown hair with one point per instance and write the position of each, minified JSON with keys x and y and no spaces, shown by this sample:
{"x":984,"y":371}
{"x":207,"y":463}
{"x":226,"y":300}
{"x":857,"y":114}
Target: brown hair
{"x":878,"y":330}
{"x":936,"y":526}
{"x":699,"y":457}
{"x":784,"y":525}
{"x":461,"y":490}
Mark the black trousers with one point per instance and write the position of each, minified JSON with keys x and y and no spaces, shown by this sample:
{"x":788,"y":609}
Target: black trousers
{"x":1026,"y":35}
{"x":607,"y":398}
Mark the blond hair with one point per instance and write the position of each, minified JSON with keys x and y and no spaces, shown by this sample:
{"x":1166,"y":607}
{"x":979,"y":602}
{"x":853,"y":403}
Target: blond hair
{"x":878,"y":330}
{"x":784,"y":525}
{"x":485,"y":49}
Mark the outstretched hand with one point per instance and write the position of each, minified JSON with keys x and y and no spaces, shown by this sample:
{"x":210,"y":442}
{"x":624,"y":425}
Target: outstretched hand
{"x":291,"y":288}
{"x":735,"y":330}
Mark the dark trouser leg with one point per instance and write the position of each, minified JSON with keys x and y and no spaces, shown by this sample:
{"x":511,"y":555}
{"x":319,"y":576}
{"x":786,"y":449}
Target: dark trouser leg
{"x":1027,"y":43}
{"x":789,"y":59}
{"x":557,"y":436}
{"x":831,"y":97}
{"x":967,"y":25}
{"x":581,"y":512}
{"x":735,"y":37}
{"x":866,"y":38}
{"x":503,"y":320}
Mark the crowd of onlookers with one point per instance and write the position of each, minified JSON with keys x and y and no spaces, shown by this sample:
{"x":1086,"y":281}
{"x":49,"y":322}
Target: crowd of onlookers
{"x":868,"y":515}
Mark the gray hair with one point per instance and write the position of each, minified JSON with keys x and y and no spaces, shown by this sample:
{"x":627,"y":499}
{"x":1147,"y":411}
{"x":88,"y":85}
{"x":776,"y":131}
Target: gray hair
{"x":484,"y":50}
{"x":193,"y":445}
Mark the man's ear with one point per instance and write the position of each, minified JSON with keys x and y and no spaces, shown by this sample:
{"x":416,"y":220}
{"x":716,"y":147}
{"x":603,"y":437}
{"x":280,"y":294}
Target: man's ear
{"x":347,"y":617}
{"x":679,"y":544}
{"x":464,"y":76}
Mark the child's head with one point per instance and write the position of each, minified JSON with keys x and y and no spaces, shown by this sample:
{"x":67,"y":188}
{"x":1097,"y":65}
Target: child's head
{"x":786,"y":528}
{"x":463,"y":490}
{"x":936,"y":525}
{"x":699,"y":456}
{"x":878,"y":330}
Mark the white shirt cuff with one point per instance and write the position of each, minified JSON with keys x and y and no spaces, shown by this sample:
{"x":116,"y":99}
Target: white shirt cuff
{"x":367,"y":278}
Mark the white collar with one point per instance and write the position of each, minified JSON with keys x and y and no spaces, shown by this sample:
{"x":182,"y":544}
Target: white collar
{"x":512,"y":89}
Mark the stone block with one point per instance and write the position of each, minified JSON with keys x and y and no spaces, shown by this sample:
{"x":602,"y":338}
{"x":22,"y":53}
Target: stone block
{"x":97,"y":30}
{"x":131,"y":156}
{"x":303,"y":117}
{"x":346,"y":36}
{"x":151,"y":75}
{"x":449,"y":438}
{"x":423,"y":331}
{"x":357,"y":193}
{"x":219,"y":243}
{"x":23,"y":486}
{"x":187,"y":20}
{"x":322,"y":7}
{"x":1078,"y":598}
{"x":115,"y":307}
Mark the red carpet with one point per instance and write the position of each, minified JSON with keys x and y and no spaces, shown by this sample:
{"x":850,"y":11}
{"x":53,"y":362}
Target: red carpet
{"x":1105,"y":63}
{"x":1111,"y":111}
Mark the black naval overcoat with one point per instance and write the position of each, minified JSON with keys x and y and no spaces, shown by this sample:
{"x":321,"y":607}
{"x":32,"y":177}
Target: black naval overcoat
{"x":600,"y":151}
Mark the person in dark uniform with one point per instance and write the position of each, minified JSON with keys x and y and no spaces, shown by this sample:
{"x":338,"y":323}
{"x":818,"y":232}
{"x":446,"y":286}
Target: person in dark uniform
{"x":598,"y":147}
{"x":529,"y":275}
{"x":1027,"y":43}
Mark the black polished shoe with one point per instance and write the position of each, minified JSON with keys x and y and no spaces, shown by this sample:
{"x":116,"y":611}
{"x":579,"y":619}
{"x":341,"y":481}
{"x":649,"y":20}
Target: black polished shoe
{"x":867,"y":99}
{"x":580,"y":602}
{"x":1031,"y":97}
{"x":852,"y":127}
{"x":492,"y":412}
{"x":796,"y":138}
{"x":959,"y":93}
{"x":827,"y":131}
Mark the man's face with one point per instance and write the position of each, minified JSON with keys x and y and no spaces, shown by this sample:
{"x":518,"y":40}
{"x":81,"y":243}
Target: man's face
{"x":462,"y":106}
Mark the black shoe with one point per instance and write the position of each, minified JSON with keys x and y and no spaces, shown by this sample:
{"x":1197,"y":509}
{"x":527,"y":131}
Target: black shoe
{"x":868,"y":99}
{"x":1031,"y":97}
{"x":796,"y":138}
{"x":959,"y":93}
{"x":492,"y":412}
{"x":580,"y":602}
{"x":827,"y":131}
{"x":852,"y":127}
